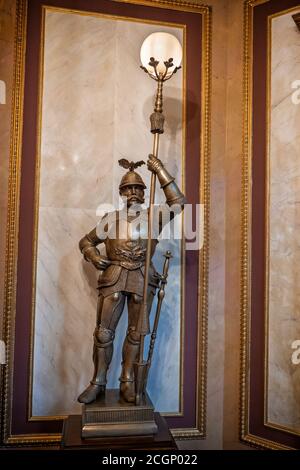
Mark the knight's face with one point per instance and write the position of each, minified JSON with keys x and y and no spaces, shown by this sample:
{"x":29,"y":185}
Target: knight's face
{"x":134,"y":194}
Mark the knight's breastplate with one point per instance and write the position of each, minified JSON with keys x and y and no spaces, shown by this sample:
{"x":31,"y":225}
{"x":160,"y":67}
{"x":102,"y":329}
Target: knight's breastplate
{"x":126,"y":242}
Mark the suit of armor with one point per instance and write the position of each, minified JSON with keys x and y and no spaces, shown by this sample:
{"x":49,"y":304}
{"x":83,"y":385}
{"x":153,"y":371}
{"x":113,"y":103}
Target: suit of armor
{"x":122,"y":277}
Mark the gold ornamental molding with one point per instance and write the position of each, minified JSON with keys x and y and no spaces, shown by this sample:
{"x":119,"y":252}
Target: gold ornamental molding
{"x":202,"y":316}
{"x":268,"y":423}
{"x":181,"y":5}
{"x":25,"y":439}
{"x":246,"y":227}
{"x":11,"y":253}
{"x":199,"y":431}
{"x":260,"y":443}
{"x":246,"y":218}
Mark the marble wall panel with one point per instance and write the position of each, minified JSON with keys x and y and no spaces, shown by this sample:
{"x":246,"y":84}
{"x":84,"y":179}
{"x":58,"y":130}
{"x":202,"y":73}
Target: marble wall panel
{"x":92,"y":115}
{"x":78,"y":111}
{"x":284,"y":216}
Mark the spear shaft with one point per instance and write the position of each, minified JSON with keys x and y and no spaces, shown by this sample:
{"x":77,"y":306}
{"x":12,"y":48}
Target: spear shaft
{"x":149,"y":241}
{"x":143,"y":327}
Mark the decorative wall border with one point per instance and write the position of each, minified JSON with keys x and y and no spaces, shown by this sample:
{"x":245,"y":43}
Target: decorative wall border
{"x":13,"y":222}
{"x":245,"y":221}
{"x":11,"y":253}
{"x":247,"y":433}
{"x":37,"y":183}
{"x":268,"y":423}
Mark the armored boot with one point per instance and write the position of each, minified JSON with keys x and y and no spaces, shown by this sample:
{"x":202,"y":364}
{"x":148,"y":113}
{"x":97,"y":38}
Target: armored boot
{"x":102,"y":355}
{"x":129,"y":354}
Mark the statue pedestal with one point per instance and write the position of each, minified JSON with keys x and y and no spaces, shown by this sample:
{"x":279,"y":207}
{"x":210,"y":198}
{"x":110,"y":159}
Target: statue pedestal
{"x":73,"y":440}
{"x":111,"y":415}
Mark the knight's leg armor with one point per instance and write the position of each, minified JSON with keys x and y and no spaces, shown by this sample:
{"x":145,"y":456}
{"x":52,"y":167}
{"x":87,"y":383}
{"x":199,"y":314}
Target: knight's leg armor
{"x":102,"y":355}
{"x":109,"y":311}
{"x":129,"y":356}
{"x":131,"y":345}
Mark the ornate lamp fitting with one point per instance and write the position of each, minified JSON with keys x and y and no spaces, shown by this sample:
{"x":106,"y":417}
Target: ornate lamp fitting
{"x":161,"y":55}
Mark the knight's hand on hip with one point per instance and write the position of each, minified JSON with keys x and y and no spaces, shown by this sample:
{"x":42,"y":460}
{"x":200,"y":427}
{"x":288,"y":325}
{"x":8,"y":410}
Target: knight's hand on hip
{"x":154,"y":164}
{"x":100,"y":262}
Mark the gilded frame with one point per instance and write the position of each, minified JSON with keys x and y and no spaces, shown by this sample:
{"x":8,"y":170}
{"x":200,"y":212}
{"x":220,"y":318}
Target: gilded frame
{"x":46,"y":9}
{"x":270,"y":424}
{"x":246,"y":435}
{"x":199,"y":431}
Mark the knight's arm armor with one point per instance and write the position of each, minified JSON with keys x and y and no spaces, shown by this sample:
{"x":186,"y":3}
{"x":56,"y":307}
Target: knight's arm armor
{"x":87,"y":246}
{"x":173,"y":194}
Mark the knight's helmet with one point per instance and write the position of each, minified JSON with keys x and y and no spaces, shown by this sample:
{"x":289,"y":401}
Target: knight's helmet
{"x":131,"y":178}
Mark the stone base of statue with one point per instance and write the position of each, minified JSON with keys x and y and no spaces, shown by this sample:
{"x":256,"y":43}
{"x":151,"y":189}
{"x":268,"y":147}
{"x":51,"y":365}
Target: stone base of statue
{"x":111,"y":423}
{"x":110,"y":415}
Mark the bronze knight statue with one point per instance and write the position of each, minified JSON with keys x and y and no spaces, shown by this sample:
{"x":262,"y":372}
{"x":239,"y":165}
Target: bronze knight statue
{"x":122,"y":275}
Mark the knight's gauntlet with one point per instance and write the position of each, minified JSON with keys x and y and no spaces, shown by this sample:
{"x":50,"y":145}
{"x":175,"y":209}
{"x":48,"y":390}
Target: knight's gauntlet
{"x":169,"y":186}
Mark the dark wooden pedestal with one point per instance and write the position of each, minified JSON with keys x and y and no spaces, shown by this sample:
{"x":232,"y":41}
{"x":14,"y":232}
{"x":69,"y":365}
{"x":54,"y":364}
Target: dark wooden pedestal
{"x":72,"y":440}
